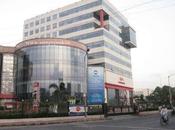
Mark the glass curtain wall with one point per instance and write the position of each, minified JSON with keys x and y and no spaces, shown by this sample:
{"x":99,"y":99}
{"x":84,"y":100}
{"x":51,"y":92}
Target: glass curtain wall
{"x":53,"y":68}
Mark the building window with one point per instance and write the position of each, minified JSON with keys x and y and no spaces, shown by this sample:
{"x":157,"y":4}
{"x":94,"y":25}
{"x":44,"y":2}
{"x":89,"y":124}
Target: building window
{"x":119,"y":97}
{"x":119,"y":70}
{"x":31,"y":32}
{"x":47,"y":35}
{"x":87,"y":35}
{"x":26,"y":26}
{"x":110,"y":46}
{"x":54,"y":34}
{"x":112,"y":37}
{"x":54,"y":25}
{"x":54,"y":16}
{"x":42,"y":20}
{"x":37,"y":22}
{"x":42,"y":29}
{"x":31,"y":24}
{"x":78,"y":28}
{"x":110,"y":56}
{"x":37,"y":31}
{"x":48,"y":19}
{"x":76,"y":19}
{"x":42,"y":36}
{"x":48,"y":27}
{"x":80,"y":8}
{"x":25,"y":34}
{"x":113,"y":97}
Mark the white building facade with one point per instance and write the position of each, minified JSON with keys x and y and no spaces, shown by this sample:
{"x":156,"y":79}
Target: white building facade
{"x":105,"y":31}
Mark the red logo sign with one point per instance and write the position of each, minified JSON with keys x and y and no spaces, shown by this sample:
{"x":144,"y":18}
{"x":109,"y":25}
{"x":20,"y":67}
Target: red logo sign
{"x":121,"y":80}
{"x":36,"y":84}
{"x":78,"y":108}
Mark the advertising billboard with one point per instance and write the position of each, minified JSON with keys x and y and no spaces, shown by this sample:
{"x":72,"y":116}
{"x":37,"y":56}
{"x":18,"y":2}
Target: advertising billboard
{"x":76,"y":110}
{"x":95,"y":85}
{"x":36,"y":96}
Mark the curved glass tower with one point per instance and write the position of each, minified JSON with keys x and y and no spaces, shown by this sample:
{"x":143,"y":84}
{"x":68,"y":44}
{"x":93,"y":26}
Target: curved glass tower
{"x":46,"y":65}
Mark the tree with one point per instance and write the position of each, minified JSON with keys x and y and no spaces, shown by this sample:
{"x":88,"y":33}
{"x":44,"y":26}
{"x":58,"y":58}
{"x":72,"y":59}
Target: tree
{"x":142,"y":98}
{"x":160,"y":96}
{"x":156,"y":95}
{"x":165,"y":95}
{"x":59,"y":95}
{"x":173,"y":96}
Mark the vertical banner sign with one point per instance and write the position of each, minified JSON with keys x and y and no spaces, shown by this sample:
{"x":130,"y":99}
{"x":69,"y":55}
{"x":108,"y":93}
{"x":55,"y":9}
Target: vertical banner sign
{"x":36,"y":96}
{"x":95,"y":85}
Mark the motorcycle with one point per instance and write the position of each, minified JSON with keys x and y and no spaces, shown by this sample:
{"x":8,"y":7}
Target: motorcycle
{"x":164,"y":119}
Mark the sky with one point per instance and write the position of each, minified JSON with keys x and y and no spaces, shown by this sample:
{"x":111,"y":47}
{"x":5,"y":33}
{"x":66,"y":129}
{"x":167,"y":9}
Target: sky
{"x":153,"y":21}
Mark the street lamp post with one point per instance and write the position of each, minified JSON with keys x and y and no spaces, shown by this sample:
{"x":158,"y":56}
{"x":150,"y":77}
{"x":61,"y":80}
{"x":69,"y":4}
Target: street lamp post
{"x":47,"y":106}
{"x":86,"y":79}
{"x":170,"y":97}
{"x":85,"y":105}
{"x":22,"y":107}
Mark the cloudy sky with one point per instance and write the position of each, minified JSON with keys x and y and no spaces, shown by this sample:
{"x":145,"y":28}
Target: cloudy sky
{"x":154,"y":21}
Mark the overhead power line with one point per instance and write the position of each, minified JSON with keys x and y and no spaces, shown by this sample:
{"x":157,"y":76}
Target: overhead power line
{"x":141,"y":4}
{"x":152,"y":9}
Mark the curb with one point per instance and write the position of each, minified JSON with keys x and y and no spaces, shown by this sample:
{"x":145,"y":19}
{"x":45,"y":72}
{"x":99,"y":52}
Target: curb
{"x":54,"y":121}
{"x":148,"y":113}
{"x":132,"y":116}
{"x":122,"y":117}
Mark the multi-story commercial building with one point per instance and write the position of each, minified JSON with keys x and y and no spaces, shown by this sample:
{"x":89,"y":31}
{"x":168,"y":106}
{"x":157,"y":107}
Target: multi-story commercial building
{"x":106,"y":32}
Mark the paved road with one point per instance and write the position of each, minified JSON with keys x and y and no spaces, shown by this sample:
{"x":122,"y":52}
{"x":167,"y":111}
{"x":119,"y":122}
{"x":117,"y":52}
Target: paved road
{"x":133,"y":123}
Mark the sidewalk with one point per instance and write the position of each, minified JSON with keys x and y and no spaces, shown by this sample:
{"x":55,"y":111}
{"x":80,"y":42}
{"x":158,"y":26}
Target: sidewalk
{"x":50,"y":120}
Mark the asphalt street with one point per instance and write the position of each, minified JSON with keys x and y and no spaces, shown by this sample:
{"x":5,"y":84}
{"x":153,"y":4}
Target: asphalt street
{"x":151,"y":122}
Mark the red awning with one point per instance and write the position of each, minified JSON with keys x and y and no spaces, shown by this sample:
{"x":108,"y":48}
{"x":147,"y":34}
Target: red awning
{"x":7,"y":96}
{"x":119,"y":87}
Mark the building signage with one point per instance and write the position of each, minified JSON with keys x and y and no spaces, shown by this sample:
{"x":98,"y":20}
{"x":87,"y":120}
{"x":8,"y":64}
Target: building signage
{"x":95,"y":85}
{"x":36,"y":95}
{"x":121,"y":80}
{"x":76,"y":110}
{"x":50,"y":42}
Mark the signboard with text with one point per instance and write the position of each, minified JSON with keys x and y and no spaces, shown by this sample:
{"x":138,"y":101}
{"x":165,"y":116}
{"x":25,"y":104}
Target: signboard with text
{"x":36,"y":96}
{"x":76,"y":110}
{"x":95,"y":85}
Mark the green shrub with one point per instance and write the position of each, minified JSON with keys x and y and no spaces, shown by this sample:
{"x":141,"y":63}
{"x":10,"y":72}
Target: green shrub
{"x":2,"y":108}
{"x":14,"y":115}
